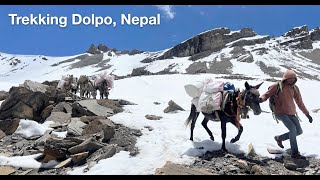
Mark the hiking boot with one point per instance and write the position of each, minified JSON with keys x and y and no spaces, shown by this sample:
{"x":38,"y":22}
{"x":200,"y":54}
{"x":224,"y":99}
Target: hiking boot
{"x":298,"y":156}
{"x":279,"y":141}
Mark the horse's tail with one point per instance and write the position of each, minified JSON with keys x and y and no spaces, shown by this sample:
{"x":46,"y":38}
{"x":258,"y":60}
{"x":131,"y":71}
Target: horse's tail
{"x":193,"y":115}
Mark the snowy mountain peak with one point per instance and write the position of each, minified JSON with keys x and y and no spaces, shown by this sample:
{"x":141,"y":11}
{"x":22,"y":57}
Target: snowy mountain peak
{"x":101,"y":48}
{"x":236,"y":54}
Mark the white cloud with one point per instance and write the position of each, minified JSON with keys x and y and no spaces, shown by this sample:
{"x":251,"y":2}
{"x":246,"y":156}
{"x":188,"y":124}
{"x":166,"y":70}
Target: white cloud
{"x":167,"y":10}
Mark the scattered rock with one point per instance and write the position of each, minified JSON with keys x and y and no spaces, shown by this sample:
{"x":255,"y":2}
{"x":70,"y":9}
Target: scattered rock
{"x":2,"y":134}
{"x":176,"y":169}
{"x":51,"y":83}
{"x":103,"y":153}
{"x":299,"y":163}
{"x":79,"y":111}
{"x":137,"y":133}
{"x":80,"y":157}
{"x":89,"y":145}
{"x":75,"y":127}
{"x":172,"y":107}
{"x":257,"y":170}
{"x":57,"y":125}
{"x":140,"y":71}
{"x":42,"y":140}
{"x":156,"y":103}
{"x":149,"y":128}
{"x":46,"y":112}
{"x":26,"y":172}
{"x":59,"y":117}
{"x":64,"y":163}
{"x":22,"y":103}
{"x":251,"y":151}
{"x":228,"y":155}
{"x":153,"y":117}
{"x":125,"y":102}
{"x":290,"y":165}
{"x":48,"y":158}
{"x":112,"y":104}
{"x":108,"y":133}
{"x":35,"y":86}
{"x":301,"y":170}
{"x":3,"y":95}
{"x":9,"y":126}
{"x":310,"y":172}
{"x":97,"y":126}
{"x":59,"y":148}
{"x":95,"y":108}
{"x":63,"y":107}
{"x":7,"y":170}
{"x":243,"y":164}
{"x":88,"y":119}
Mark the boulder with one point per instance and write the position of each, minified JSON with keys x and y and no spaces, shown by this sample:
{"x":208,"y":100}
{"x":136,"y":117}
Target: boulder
{"x":75,"y":127}
{"x":95,"y":108}
{"x":3,"y":95}
{"x":103,"y":153}
{"x":89,"y":145}
{"x":63,"y":107}
{"x":79,"y":158}
{"x":79,"y":111}
{"x":9,"y":126}
{"x":59,"y":117}
{"x":46,"y":112}
{"x":24,"y":104}
{"x":101,"y":125}
{"x":2,"y":134}
{"x":58,"y":148}
{"x":153,"y":117}
{"x":172,"y":107}
{"x":35,"y":86}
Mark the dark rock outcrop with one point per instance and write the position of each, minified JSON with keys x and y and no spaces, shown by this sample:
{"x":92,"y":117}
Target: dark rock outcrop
{"x":93,"y":50}
{"x":3,"y":95}
{"x":213,"y":40}
{"x":315,"y":34}
{"x":24,"y":104}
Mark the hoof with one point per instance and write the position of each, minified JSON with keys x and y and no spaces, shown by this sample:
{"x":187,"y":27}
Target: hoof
{"x":191,"y":139}
{"x":224,"y":150}
{"x":234,"y":140}
{"x":212,"y":138}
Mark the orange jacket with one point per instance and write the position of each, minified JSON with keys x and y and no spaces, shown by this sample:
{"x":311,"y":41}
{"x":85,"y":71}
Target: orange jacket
{"x":284,"y":103}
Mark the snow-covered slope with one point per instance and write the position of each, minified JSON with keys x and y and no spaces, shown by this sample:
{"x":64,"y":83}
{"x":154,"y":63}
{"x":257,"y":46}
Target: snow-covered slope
{"x":251,"y":55}
{"x":169,"y":139}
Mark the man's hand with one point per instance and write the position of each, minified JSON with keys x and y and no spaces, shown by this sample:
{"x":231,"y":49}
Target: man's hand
{"x":310,"y":118}
{"x":260,"y":100}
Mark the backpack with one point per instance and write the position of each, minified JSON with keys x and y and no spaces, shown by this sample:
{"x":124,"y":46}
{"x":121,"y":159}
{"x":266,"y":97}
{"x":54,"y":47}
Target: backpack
{"x":272,"y":99}
{"x":229,"y":87}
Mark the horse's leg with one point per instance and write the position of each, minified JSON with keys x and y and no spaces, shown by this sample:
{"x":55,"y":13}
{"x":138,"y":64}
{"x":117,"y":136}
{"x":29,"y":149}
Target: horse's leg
{"x":101,"y":94}
{"x":193,"y":123}
{"x":81,"y":91}
{"x":106,"y":91}
{"x":223,"y":133}
{"x":204,"y":124}
{"x":240,"y":129}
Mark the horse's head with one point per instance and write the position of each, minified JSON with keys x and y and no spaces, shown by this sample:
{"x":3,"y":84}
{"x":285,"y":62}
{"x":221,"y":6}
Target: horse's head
{"x":251,"y":97}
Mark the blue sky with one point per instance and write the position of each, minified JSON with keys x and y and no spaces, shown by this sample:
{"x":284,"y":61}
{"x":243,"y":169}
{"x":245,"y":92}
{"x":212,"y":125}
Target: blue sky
{"x":178,"y":23}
